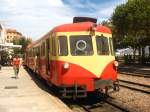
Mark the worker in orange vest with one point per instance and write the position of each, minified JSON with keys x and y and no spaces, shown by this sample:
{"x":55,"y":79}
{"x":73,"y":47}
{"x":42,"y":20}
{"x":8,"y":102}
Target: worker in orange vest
{"x":16,"y":65}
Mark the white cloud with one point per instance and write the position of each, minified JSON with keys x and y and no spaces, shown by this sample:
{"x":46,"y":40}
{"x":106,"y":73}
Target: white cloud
{"x":36,"y":17}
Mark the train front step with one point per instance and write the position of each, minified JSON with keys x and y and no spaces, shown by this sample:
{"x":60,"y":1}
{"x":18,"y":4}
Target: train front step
{"x":74,"y":92}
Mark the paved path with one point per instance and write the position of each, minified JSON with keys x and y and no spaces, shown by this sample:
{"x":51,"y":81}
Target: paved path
{"x":24,"y":95}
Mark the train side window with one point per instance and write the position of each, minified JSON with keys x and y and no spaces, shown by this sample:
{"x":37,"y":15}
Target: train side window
{"x":53,"y":46}
{"x":40,"y":50}
{"x":48,"y":45}
{"x":30,"y":52}
{"x":111,"y":46}
{"x":102,"y":45}
{"x":34,"y":51}
{"x":43,"y":49}
{"x":63,"y":46}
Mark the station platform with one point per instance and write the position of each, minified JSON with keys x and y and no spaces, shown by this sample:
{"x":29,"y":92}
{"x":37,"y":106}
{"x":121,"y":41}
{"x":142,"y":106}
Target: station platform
{"x":25,"y":95}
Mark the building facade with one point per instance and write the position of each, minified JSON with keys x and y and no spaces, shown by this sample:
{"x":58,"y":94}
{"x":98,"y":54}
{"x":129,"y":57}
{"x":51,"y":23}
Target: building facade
{"x":12,"y":34}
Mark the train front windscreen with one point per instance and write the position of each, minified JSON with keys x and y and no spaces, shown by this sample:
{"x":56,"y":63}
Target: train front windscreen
{"x":82,"y":45}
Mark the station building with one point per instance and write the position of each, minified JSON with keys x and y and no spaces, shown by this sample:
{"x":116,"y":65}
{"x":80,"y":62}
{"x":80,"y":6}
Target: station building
{"x":12,"y":34}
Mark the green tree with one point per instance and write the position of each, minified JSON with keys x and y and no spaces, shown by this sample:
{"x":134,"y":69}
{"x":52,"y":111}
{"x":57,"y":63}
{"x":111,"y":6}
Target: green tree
{"x":21,"y":41}
{"x":131,"y":24}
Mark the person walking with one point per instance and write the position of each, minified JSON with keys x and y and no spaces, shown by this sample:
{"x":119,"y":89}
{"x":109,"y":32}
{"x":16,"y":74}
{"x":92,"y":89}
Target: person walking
{"x":16,"y":65}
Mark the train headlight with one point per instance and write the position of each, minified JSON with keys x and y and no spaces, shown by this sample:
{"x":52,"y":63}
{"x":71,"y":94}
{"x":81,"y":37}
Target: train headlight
{"x":116,"y":64}
{"x":66,"y":65}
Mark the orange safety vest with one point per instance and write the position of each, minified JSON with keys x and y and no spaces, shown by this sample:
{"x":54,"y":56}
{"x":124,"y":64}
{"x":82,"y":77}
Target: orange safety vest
{"x":16,"y":62}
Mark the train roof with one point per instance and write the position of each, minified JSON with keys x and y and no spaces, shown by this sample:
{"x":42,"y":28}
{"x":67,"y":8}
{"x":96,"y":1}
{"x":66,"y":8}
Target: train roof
{"x":37,"y":41}
{"x":74,"y":27}
{"x":82,"y":26}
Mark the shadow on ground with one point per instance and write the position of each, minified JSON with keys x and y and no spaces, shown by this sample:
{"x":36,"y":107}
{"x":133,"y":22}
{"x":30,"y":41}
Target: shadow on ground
{"x":41,"y":83}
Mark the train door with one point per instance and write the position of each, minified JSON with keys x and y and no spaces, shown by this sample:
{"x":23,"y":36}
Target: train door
{"x":53,"y":75}
{"x":47,"y":56}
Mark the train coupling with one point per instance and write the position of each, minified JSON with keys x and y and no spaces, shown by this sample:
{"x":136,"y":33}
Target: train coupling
{"x":106,"y":86}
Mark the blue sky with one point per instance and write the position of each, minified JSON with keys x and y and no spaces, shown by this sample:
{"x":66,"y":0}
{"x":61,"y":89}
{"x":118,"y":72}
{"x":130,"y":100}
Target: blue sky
{"x":34,"y":18}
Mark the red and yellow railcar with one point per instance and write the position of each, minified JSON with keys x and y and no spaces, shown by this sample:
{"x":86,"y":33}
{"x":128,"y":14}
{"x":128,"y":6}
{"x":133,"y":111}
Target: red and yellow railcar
{"x":76,"y":57}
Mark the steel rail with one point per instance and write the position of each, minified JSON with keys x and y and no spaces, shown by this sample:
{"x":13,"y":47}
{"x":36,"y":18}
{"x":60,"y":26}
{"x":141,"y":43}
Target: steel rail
{"x":117,"y":106}
{"x":135,"y":74}
{"x":125,"y":81}
{"x":132,"y":88}
{"x":109,"y":102}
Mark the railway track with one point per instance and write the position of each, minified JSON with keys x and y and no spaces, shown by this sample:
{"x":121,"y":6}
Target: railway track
{"x":133,"y":71}
{"x":118,"y":106}
{"x":109,"y":103}
{"x":135,"y":86}
{"x":135,"y":74}
{"x":105,"y":104}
